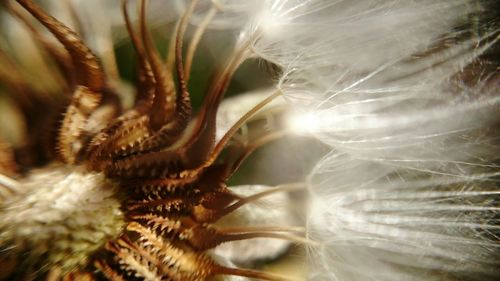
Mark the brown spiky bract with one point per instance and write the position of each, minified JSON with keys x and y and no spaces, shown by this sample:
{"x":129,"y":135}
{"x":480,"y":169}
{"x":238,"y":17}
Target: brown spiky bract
{"x":169,"y":180}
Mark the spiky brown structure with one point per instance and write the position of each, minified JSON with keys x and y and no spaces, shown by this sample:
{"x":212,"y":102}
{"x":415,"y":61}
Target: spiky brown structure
{"x":135,"y":200}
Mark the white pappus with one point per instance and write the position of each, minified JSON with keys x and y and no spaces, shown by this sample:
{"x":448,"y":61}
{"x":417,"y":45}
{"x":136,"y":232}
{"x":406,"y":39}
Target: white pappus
{"x":405,"y":95}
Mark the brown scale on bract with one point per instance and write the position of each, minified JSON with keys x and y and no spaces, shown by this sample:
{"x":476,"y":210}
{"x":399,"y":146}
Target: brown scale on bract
{"x":173,"y":178}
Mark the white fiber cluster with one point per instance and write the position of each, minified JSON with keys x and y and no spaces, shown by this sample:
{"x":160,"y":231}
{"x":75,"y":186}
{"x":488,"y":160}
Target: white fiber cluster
{"x":408,"y":191}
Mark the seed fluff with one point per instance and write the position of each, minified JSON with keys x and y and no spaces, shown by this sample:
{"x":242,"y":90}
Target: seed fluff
{"x":395,"y":102}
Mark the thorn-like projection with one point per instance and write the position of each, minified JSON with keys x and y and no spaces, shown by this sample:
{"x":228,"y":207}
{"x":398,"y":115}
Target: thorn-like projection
{"x":88,"y":70}
{"x":158,"y":161}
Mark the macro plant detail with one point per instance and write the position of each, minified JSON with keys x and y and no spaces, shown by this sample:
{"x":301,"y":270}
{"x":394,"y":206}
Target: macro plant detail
{"x":403,"y":97}
{"x":169,"y":196}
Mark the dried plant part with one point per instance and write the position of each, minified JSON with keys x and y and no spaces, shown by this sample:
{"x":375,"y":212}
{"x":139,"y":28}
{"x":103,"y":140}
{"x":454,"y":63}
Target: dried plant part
{"x":152,"y":182}
{"x":400,"y":97}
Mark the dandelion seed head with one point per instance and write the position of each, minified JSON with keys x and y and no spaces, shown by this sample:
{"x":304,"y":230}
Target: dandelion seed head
{"x":404,"y":95}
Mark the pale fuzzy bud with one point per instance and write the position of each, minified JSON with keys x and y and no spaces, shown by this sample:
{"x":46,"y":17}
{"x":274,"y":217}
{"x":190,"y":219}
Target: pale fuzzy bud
{"x":59,"y":215}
